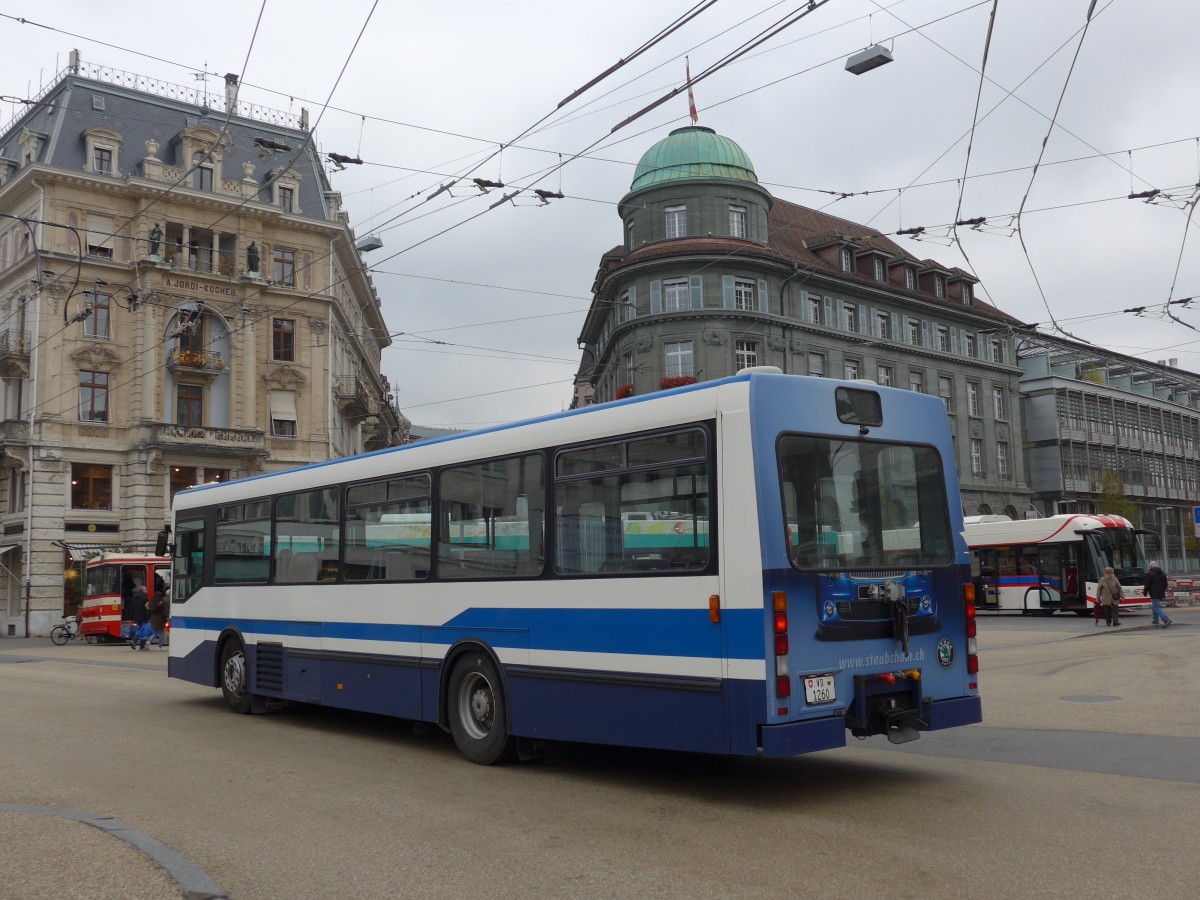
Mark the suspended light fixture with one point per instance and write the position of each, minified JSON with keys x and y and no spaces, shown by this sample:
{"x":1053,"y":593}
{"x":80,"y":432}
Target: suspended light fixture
{"x":871,"y":58}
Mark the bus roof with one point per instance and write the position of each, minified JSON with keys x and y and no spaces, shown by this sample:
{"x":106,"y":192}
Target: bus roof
{"x":109,"y":558}
{"x":1036,"y":531}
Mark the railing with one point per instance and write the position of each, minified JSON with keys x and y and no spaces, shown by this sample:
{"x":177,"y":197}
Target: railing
{"x":238,"y":440}
{"x":208,"y":360}
{"x":205,"y":262}
{"x":14,"y":430}
{"x":352,"y":395}
{"x":14,"y":343}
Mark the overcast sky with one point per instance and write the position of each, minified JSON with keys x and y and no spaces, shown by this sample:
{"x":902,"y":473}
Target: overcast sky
{"x":507,"y":291}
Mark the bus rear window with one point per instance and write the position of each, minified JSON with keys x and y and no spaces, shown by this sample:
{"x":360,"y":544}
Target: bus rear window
{"x":853,"y":504}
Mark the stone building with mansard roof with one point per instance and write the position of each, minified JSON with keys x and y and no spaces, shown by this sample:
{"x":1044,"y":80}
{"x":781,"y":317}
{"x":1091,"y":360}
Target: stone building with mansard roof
{"x":714,"y":274}
{"x":181,"y":301}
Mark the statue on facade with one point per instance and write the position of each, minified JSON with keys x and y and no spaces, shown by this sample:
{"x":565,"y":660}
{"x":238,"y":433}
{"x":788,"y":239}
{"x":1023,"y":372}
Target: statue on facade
{"x":252,"y":258}
{"x":155,"y":238}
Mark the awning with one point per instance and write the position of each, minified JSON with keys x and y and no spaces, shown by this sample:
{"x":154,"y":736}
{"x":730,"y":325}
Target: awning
{"x":80,"y":553}
{"x":6,"y":548}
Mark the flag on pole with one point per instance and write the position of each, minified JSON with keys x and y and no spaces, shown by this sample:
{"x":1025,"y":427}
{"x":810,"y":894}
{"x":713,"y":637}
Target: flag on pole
{"x":687,"y":67}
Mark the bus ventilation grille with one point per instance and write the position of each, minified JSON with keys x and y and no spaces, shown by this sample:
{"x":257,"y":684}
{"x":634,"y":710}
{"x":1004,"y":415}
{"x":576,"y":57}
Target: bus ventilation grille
{"x":877,"y":575}
{"x":268,"y":667}
{"x":851,"y":610}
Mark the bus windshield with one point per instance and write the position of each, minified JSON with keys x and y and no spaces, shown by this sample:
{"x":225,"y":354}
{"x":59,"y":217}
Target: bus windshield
{"x":853,"y":504}
{"x":1119,"y":548}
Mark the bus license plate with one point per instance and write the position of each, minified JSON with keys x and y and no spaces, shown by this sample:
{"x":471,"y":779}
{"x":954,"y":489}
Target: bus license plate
{"x":819,"y":689}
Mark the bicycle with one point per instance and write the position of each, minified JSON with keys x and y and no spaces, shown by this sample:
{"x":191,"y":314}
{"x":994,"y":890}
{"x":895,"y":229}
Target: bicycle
{"x":68,"y":631}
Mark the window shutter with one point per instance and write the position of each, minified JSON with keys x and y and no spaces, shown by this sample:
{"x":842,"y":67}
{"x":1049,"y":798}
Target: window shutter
{"x":655,"y":297}
{"x":924,"y":333}
{"x":1004,"y":351}
{"x":696,"y":291}
{"x":828,"y":311}
{"x":907,"y":333}
{"x":631,"y":309}
{"x":874,"y":322}
{"x":862,"y":320}
{"x":981,"y":345}
{"x":841,"y":316}
{"x":805,"y":314}
{"x":764,"y":296}
{"x":727,"y":298}
{"x":896,"y":327}
{"x":953,"y":340}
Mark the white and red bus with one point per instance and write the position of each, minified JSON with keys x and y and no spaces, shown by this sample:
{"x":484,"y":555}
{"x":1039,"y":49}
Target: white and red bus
{"x":109,"y":580}
{"x":1042,"y":565}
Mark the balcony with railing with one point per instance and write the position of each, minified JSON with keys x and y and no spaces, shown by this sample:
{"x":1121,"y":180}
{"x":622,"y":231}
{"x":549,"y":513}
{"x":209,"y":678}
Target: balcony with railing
{"x":212,"y":441}
{"x":14,"y":354}
{"x":352,"y":397}
{"x":209,"y":361}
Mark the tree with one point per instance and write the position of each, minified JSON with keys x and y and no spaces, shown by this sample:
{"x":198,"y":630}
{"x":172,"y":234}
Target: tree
{"x":1113,"y":501}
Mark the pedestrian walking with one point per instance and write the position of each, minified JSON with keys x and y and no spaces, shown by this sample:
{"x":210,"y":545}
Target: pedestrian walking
{"x":158,"y":617}
{"x":1109,"y":594}
{"x":1156,"y":590}
{"x":140,"y":609}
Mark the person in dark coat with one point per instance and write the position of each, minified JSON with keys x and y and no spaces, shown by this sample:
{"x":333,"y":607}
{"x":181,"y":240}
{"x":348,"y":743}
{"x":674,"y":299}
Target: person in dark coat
{"x":1156,"y":590}
{"x":158,"y":618}
{"x":139,"y":607}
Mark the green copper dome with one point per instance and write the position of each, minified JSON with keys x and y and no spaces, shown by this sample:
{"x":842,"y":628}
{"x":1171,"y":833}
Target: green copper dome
{"x":692,"y":152}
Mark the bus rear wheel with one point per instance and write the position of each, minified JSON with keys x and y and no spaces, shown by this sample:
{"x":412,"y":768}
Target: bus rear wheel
{"x":478,"y":712}
{"x":235,"y":678}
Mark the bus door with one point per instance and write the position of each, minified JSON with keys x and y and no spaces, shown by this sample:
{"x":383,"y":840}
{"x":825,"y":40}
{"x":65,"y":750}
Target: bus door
{"x":1051,"y":566}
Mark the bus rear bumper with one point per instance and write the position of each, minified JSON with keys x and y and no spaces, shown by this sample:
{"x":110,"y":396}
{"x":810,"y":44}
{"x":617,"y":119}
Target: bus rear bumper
{"x":951,"y":713}
{"x":794,"y":738}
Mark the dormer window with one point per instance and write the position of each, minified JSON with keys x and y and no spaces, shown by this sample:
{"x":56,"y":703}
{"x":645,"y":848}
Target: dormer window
{"x":847,"y":259}
{"x":202,"y":174}
{"x":287,"y":198}
{"x":676,"y":222}
{"x":910,"y":278}
{"x":101,"y":146}
{"x":939,"y":286}
{"x":737,"y":221}
{"x":285,"y":189}
{"x":967,"y":297}
{"x":880,"y":270}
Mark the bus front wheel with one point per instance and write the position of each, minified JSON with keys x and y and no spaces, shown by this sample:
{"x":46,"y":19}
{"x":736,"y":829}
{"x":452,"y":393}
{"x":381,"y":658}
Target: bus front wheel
{"x":235,"y":679}
{"x":478,"y":711}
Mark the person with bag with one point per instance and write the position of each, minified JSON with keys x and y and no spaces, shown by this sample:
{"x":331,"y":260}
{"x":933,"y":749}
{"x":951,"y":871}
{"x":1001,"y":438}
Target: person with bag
{"x":1156,"y":590}
{"x":140,"y":609}
{"x":1109,"y":593}
{"x":158,"y":618}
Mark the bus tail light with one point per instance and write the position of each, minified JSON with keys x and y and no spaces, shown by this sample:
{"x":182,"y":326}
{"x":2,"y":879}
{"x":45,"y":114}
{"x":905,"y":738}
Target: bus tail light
{"x":783,"y":679}
{"x":972,"y":640}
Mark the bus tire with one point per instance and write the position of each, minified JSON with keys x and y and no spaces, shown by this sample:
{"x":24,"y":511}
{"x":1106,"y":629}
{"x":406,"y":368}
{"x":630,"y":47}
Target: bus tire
{"x":235,"y":677}
{"x":478,"y":711}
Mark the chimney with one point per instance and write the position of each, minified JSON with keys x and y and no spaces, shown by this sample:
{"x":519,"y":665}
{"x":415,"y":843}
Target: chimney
{"x":231,"y":92}
{"x":1173,"y":362}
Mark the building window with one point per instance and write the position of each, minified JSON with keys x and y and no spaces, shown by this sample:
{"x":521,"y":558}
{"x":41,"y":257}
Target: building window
{"x":946,"y":391}
{"x":746,"y":354}
{"x":202,"y":176}
{"x":675,"y":296}
{"x":998,"y":404}
{"x":96,"y":324}
{"x":99,"y":251}
{"x":676,"y":222}
{"x":102,"y":161}
{"x":629,"y":236}
{"x":816,"y":364}
{"x":885,"y":376}
{"x":847,"y":258}
{"x":916,"y":381}
{"x":93,"y":396}
{"x":910,"y":278}
{"x":943,"y":338}
{"x":850,"y":369}
{"x":939,"y":286}
{"x":283,"y":413}
{"x":973,"y":399}
{"x":1002,"y":459}
{"x":880,"y":270}
{"x":286,"y":198}
{"x":191,"y":331}
{"x":91,"y":486}
{"x":883,"y":326}
{"x":815,"y":310}
{"x":851,"y":316}
{"x":285,"y":267}
{"x":968,"y":299}
{"x":679,"y":359}
{"x":189,"y":405}
{"x":914,"y":332}
{"x":182,"y":478}
{"x":283,"y":340}
{"x":994,"y":348}
{"x":743,"y":294}
{"x":977,"y":457}
{"x":968,"y":344}
{"x":737,"y":221}
{"x":16,"y":490}
{"x":627,"y":365}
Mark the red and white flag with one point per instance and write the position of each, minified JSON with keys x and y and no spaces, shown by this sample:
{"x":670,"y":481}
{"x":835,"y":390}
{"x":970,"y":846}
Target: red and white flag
{"x":687,"y":67}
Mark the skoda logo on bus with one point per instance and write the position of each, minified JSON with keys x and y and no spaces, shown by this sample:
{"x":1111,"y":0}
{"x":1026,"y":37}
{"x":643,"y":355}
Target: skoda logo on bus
{"x":945,"y":652}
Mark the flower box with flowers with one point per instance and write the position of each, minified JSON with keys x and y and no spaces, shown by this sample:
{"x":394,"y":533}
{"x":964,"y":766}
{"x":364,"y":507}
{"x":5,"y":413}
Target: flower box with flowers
{"x":674,"y":381}
{"x":625,"y":390}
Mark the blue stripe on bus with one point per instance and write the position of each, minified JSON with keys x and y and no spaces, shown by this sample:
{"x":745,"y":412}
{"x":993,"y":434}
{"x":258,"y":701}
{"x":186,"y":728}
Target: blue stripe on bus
{"x":654,"y":632}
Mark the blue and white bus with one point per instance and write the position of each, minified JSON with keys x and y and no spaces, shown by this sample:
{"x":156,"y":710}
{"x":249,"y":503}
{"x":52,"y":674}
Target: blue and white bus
{"x":754,"y":565}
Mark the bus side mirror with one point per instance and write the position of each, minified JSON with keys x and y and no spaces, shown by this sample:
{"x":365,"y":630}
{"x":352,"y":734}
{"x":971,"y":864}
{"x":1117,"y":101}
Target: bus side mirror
{"x":162,"y":543}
